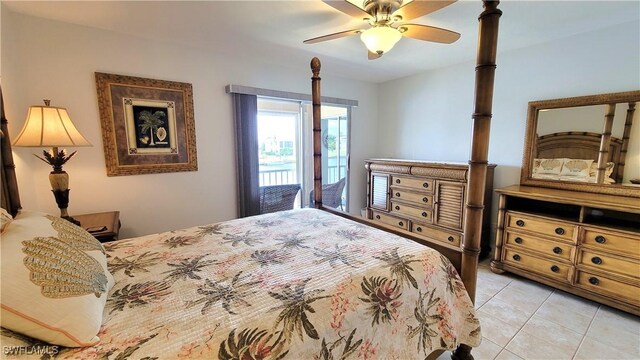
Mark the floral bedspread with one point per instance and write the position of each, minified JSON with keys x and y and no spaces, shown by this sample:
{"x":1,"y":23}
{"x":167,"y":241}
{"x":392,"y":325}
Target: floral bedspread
{"x":300,"y":284}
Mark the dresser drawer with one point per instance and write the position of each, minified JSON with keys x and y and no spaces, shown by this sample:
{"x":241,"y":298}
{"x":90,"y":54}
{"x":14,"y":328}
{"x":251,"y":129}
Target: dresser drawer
{"x":451,"y":238}
{"x":414,"y":183}
{"x":544,"y":226}
{"x":605,"y":240}
{"x":390,"y":220}
{"x":604,"y":285}
{"x":609,"y":263}
{"x":421,"y":199}
{"x":406,"y":210}
{"x":551,"y":269}
{"x":550,"y":248}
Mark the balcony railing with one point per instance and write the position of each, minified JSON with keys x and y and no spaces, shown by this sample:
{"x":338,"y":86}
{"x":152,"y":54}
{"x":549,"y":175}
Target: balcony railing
{"x":288,"y":176}
{"x":277,"y":177}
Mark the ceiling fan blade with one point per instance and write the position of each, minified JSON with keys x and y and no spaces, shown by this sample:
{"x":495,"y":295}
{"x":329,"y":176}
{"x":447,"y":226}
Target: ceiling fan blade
{"x":429,"y":33}
{"x":348,"y":8}
{"x":373,"y":56}
{"x":332,"y":36}
{"x":418,"y":8}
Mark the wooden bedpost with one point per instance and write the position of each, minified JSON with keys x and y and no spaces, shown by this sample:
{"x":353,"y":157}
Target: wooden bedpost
{"x":605,"y":142}
{"x":317,"y":140}
{"x":625,"y":141}
{"x":9,"y":197}
{"x":485,"y":75}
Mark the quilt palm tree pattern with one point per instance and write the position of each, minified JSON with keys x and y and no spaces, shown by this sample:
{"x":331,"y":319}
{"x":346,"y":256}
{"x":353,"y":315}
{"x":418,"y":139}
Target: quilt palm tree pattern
{"x":310,"y":285}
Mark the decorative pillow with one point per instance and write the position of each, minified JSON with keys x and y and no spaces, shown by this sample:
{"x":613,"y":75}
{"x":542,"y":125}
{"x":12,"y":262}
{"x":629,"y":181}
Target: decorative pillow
{"x":593,"y":170}
{"x":55,"y":280}
{"x":576,"y":167}
{"x":5,"y":220}
{"x":536,"y":166}
{"x":550,"y":166}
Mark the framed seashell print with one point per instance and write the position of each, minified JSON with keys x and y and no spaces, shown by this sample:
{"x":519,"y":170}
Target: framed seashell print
{"x":147,"y":125}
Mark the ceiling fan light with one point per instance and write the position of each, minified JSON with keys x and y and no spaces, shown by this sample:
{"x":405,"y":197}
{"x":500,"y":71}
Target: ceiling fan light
{"x":380,"y":39}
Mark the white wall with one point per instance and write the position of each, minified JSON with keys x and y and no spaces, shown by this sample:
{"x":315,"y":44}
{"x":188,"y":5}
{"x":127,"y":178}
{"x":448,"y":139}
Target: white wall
{"x":48,"y":59}
{"x":429,"y":116}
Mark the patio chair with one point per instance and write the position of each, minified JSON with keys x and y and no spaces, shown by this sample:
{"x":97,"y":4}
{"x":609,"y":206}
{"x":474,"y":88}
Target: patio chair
{"x":331,"y":194}
{"x":277,"y":197}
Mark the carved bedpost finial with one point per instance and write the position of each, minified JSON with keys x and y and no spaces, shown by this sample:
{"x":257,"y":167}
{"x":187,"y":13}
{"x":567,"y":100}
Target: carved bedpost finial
{"x":315,"y":66}
{"x":490,"y":4}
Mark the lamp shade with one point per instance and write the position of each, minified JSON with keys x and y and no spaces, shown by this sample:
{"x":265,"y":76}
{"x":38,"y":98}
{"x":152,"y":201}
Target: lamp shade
{"x":49,"y":126}
{"x":380,"y":39}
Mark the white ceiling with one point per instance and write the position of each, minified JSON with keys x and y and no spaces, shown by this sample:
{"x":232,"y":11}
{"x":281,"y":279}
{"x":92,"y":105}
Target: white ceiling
{"x":273,"y":31}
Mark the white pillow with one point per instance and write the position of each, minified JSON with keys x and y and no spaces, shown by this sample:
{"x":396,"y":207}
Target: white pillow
{"x":55,"y":280}
{"x":576,"y":167}
{"x":550,"y":166}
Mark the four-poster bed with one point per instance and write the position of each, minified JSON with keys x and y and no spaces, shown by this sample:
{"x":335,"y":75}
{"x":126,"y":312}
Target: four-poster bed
{"x":163,"y":306}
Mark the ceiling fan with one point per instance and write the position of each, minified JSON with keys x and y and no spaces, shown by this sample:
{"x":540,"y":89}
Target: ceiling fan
{"x":384,"y":17}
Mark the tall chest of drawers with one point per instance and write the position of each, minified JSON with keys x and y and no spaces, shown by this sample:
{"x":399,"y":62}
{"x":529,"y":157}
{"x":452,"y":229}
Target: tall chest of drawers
{"x":585,"y":244}
{"x":426,"y":199}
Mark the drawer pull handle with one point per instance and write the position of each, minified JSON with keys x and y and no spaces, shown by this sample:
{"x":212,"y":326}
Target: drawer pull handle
{"x":596,"y":260}
{"x":400,"y":223}
{"x":378,"y":217}
{"x":419,"y":229}
{"x":516,"y":257}
{"x":518,"y":240}
{"x":600,"y":239}
{"x":397,"y":207}
{"x":425,"y":185}
{"x":594,"y":280}
{"x":424,"y":214}
{"x":397,"y":194}
{"x":557,"y":250}
{"x":425,"y":199}
{"x":450,"y":238}
{"x":560,"y":231}
{"x":397,"y":181}
{"x":520,"y":223}
{"x":555,"y":268}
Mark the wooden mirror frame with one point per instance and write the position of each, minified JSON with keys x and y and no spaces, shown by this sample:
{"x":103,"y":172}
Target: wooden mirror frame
{"x":531,"y":135}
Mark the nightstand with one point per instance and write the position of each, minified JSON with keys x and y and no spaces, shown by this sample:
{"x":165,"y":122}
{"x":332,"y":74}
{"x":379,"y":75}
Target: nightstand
{"x":104,"y":226}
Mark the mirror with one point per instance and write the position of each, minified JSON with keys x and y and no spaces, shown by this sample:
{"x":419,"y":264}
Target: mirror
{"x":587,"y":143}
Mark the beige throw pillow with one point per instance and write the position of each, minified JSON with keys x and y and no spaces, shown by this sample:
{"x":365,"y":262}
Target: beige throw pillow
{"x":576,"y":167}
{"x":549,"y":166}
{"x":593,"y":170}
{"x":5,"y":219}
{"x":55,"y":280}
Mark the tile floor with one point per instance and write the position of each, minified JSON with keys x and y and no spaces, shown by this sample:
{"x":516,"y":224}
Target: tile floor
{"x":522,"y":319}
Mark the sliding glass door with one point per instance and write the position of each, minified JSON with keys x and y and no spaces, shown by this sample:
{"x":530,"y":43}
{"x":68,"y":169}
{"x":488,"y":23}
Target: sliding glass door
{"x":279,"y":143}
{"x":285,"y":148}
{"x":335,"y":152}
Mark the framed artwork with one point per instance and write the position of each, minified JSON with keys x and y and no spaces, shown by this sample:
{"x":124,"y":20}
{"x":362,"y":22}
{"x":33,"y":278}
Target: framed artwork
{"x":147,"y":125}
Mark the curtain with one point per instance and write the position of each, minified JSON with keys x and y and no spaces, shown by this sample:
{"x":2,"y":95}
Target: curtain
{"x":246,"y":126}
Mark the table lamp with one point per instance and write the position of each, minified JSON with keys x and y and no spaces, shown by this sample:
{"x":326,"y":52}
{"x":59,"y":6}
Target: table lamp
{"x":50,"y":126}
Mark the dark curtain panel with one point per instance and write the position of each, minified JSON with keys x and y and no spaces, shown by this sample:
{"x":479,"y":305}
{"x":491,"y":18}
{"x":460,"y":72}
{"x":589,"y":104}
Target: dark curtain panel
{"x":246,"y":123}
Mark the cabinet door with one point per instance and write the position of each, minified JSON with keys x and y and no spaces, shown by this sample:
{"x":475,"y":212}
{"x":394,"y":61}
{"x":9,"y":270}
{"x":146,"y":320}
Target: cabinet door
{"x":379,"y":191}
{"x":449,"y":204}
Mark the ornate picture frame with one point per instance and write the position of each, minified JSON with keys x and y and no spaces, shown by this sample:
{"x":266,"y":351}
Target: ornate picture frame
{"x":147,"y":125}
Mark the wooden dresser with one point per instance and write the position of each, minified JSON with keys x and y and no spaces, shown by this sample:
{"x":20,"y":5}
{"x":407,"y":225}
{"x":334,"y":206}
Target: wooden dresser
{"x":585,"y":244}
{"x":424,"y":198}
